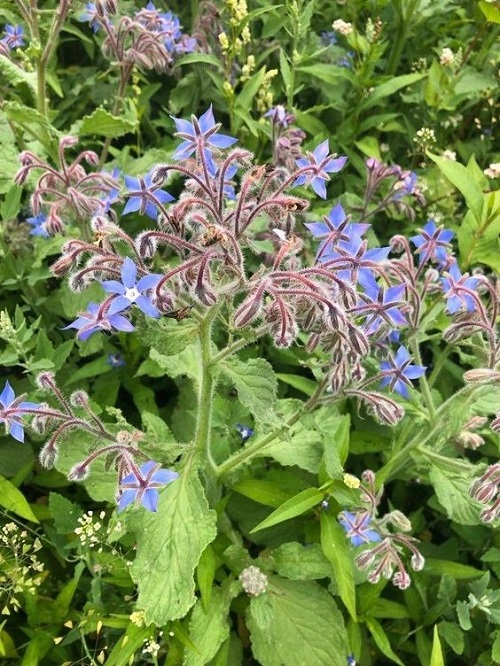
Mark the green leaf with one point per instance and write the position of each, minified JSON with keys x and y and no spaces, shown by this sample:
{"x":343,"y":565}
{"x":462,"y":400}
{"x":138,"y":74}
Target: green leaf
{"x":209,"y":627}
{"x":495,"y":650}
{"x":256,"y":384}
{"x":303,"y":384}
{"x":246,"y":97}
{"x":205,"y":58}
{"x":263,"y":492}
{"x":125,"y":648}
{"x":301,"y":444}
{"x":11,"y":205}
{"x":328,"y":73}
{"x":64,"y":513}
{"x":296,"y":623}
{"x":452,"y":491}
{"x":14,"y":75}
{"x":389,"y":88}
{"x":336,"y":548}
{"x":382,"y":641}
{"x":491,"y":12}
{"x":13,"y":500}
{"x":167,"y":335}
{"x":455,"y":569}
{"x":102,"y":123}
{"x":437,"y":658}
{"x":286,"y":72}
{"x":337,"y":446}
{"x":298,"y":562}
{"x":296,"y":506}
{"x":453,"y":636}
{"x":186,"y":362}
{"x":463,"y":614}
{"x":169,"y":546}
{"x":461,"y":178}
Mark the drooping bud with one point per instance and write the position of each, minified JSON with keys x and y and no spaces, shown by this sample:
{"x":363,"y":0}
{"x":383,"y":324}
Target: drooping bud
{"x":79,"y":399}
{"x":48,"y":455}
{"x":401,"y":579}
{"x":46,"y":380}
{"x":78,"y":472}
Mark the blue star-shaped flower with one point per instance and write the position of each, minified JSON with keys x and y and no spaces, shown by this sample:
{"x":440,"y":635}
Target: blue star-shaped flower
{"x":357,"y":526}
{"x":94,"y":319}
{"x":38,"y":222}
{"x":353,"y":260}
{"x":91,"y":16}
{"x":381,"y":305}
{"x":14,"y":36}
{"x":334,"y":228}
{"x":12,"y":410}
{"x":142,"y":196}
{"x":201,"y":134}
{"x":398,"y":372}
{"x":459,"y":290}
{"x":245,"y":432}
{"x":432,"y":243}
{"x":322,"y":164}
{"x":141,"y":486}
{"x":132,"y":291}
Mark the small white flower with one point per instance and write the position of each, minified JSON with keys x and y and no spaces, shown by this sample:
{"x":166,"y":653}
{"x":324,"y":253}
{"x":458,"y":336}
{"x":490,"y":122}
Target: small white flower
{"x":450,"y":155}
{"x":343,"y":27}
{"x":447,"y":57}
{"x":493,"y":171}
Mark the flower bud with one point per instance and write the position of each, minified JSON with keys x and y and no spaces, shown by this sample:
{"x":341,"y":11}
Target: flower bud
{"x":398,"y":519}
{"x":417,"y":561}
{"x":253,"y":581}
{"x":495,"y":424}
{"x":401,"y":580}
{"x":249,"y":309}
{"x":146,"y":245}
{"x":482,"y":376}
{"x":79,"y":399}
{"x":46,"y":380}
{"x":78,"y":472}
{"x":48,"y":455}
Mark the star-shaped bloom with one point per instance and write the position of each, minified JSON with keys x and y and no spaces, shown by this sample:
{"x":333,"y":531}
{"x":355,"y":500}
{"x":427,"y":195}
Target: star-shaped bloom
{"x":132,"y":291}
{"x":279,"y":116}
{"x":38,"y":222}
{"x":12,"y":410}
{"x":398,"y":372}
{"x":91,"y":16}
{"x":228,"y":185}
{"x":200,"y":134}
{"x":14,"y":36}
{"x":321,"y":163}
{"x":357,"y":526}
{"x":141,"y":486}
{"x":432,"y":243}
{"x":96,"y":319}
{"x":381,"y":305}
{"x":115,"y":360}
{"x":406,"y":184}
{"x":353,"y":260}
{"x":143,"y":196}
{"x":459,"y":290}
{"x":245,"y":432}
{"x":334,"y":228}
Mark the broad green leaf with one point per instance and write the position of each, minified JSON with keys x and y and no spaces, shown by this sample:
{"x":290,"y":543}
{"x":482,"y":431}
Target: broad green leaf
{"x":452,"y":491}
{"x":459,"y":571}
{"x":325,"y":72}
{"x":193,"y":58}
{"x":491,"y":11}
{"x":13,"y":500}
{"x":256,"y":384}
{"x":495,"y":650}
{"x":209,"y":628}
{"x":390,"y":87}
{"x":14,"y":75}
{"x":296,"y":506}
{"x":263,"y":492}
{"x":186,"y":362}
{"x":296,"y":623}
{"x":11,"y":205}
{"x":463,"y":614}
{"x":480,"y":242}
{"x":64,"y":513}
{"x":102,"y":123}
{"x":382,"y":641}
{"x":205,"y":573}
{"x":7,"y":646}
{"x":13,"y":456}
{"x":246,"y":97}
{"x":125,"y":647}
{"x":453,"y":636}
{"x":437,"y":658}
{"x":302,"y":443}
{"x":10,"y":156}
{"x":303,"y":384}
{"x":337,"y":446}
{"x":169,"y":546}
{"x":461,"y":178}
{"x":167,"y":335}
{"x":336,"y":548}
{"x":298,"y":562}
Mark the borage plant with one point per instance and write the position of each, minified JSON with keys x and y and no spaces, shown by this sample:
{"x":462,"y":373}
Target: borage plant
{"x":226,"y":269}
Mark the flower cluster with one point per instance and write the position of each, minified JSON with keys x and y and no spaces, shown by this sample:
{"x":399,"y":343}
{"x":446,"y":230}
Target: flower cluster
{"x":21,"y":572}
{"x":150,"y":39}
{"x":486,"y":491}
{"x":387,"y":532}
{"x":68,"y":193}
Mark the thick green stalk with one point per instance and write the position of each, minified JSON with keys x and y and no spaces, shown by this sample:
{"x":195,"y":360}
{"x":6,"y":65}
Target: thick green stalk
{"x":426,"y":392}
{"x":249,"y":452}
{"x":401,"y":33}
{"x":206,"y":389}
